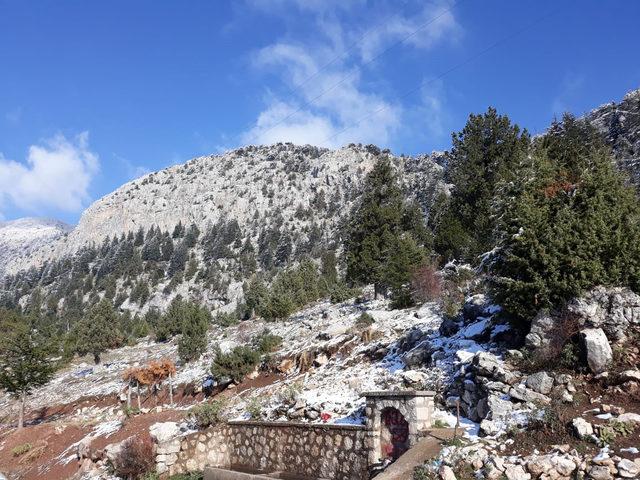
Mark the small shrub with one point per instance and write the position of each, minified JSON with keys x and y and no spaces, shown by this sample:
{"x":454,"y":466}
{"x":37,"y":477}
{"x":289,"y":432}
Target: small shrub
{"x":130,"y":411}
{"x":20,"y":450}
{"x":225,"y":319}
{"x":439,"y":423}
{"x":454,"y":442}
{"x":341,"y":293}
{"x":236,"y":364}
{"x":364,"y":320}
{"x":289,"y":395}
{"x":423,"y":472}
{"x":266,"y":342}
{"x":426,"y":283}
{"x":136,"y":458}
{"x":207,"y":414}
{"x":254,"y":408}
{"x":615,"y":429}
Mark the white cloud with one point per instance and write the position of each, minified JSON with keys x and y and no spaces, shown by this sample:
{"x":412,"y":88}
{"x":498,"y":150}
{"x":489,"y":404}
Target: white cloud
{"x":56,"y":175}
{"x":436,"y":22}
{"x":324,"y":108}
{"x":328,"y":102}
{"x":432,"y":109}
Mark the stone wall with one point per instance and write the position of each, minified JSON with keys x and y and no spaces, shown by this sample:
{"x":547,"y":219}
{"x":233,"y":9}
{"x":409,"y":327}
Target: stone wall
{"x":336,"y":452}
{"x":414,"y":406}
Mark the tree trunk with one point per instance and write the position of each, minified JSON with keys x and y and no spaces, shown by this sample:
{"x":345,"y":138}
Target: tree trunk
{"x":129,"y":396}
{"x":170,"y":391}
{"x":23,"y":401}
{"x":138,"y":391}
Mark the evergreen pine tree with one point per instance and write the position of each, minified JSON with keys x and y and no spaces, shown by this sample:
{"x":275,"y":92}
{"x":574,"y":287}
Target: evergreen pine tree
{"x":139,"y":238}
{"x":380,"y":219}
{"x":193,"y":341}
{"x":178,"y":231}
{"x":25,"y":359}
{"x":97,"y":332}
{"x":178,"y":260}
{"x":483,"y":154}
{"x":569,"y":223}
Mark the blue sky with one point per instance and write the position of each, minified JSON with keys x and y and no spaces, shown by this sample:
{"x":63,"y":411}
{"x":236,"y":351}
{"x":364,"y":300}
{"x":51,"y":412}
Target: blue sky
{"x":93,"y":94}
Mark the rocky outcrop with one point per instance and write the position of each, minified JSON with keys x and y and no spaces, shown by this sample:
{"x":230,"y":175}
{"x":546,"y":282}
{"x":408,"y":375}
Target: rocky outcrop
{"x":287,"y":185}
{"x":602,"y":316}
{"x":489,"y":391}
{"x":619,"y":123}
{"x":20,"y":238}
{"x":613,"y":309}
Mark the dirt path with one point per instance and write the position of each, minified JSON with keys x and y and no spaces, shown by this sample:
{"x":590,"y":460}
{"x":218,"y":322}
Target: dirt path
{"x":427,"y":447}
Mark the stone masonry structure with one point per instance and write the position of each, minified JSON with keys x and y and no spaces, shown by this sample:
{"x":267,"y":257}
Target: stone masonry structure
{"x":411,"y":408}
{"x":395,"y":421}
{"x":314,"y":451}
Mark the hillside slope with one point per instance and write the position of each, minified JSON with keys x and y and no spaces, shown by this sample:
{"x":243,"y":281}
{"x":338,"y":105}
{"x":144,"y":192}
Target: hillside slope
{"x":20,"y":238}
{"x":620,"y":125}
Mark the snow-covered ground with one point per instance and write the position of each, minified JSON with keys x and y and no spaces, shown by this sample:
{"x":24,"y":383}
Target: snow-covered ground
{"x":343,"y":364}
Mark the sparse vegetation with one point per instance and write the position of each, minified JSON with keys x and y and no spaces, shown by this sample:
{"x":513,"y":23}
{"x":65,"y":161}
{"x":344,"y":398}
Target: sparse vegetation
{"x":135,"y":459}
{"x":20,"y":450}
{"x":208,"y":413}
{"x":236,"y":364}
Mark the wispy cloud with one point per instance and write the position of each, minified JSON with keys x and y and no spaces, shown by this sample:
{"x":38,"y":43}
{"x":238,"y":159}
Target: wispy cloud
{"x":57,"y":174}
{"x":329,"y":101}
{"x":322,"y":108}
{"x":434,"y":23}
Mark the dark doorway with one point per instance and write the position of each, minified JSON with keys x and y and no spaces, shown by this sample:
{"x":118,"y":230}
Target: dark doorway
{"x":394,"y":437}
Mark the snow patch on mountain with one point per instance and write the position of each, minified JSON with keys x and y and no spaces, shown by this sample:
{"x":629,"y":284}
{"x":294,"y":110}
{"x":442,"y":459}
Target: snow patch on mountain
{"x":19,"y":238}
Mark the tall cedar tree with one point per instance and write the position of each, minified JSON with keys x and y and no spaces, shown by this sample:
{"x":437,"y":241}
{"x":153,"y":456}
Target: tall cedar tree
{"x":482,"y":154}
{"x":193,"y":341}
{"x":382,"y":227}
{"x":97,"y":332}
{"x":25,"y":359}
{"x":568,"y":223}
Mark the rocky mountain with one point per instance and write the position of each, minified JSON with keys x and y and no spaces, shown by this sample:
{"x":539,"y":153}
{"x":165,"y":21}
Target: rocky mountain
{"x":268,"y":205}
{"x":620,"y":125}
{"x":296,"y":185}
{"x":21,"y":238}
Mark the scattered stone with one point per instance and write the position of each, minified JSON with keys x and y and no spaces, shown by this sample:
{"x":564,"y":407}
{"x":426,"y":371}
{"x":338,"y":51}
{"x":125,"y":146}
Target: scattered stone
{"x":164,"y":431}
{"x":540,"y":334}
{"x":321,"y":359}
{"x":413,"y":377}
{"x":599,"y":353}
{"x":446,"y":473}
{"x":516,"y":472}
{"x":627,"y":469}
{"x":582,"y":428}
{"x":488,"y":427}
{"x":473,"y":307}
{"x":629,"y":418}
{"x":630,"y":376}
{"x":526,"y":395}
{"x":600,"y":472}
{"x":540,"y":382}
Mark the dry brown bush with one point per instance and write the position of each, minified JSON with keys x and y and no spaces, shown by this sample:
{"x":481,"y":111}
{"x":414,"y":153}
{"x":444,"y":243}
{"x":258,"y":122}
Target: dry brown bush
{"x":426,"y":283}
{"x":136,"y":458}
